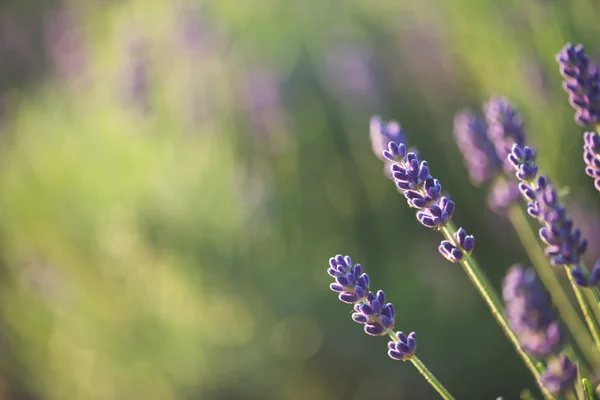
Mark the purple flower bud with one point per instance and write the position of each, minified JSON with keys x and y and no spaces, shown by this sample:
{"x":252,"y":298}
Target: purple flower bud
{"x":395,"y":151}
{"x":579,"y":276}
{"x":383,"y":133}
{"x":405,"y":348}
{"x":466,"y":242}
{"x":565,"y":245}
{"x":582,"y":83}
{"x":450,"y":252}
{"x":560,"y":375}
{"x":350,"y":281}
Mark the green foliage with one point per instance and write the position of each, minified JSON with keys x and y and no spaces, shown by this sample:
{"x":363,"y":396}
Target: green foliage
{"x":178,"y":249}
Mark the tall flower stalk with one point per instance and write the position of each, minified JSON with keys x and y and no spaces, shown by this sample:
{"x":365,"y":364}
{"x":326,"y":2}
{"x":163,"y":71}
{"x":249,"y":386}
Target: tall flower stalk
{"x":484,"y":143}
{"x":377,"y":316}
{"x":423,"y":192}
{"x":565,"y":245}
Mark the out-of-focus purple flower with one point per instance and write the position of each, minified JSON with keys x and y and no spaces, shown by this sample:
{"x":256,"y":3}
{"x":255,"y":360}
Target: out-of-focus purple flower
{"x":65,"y":44}
{"x":481,"y":160}
{"x":502,"y":195}
{"x":405,"y":348}
{"x":564,"y":243}
{"x":530,"y":313}
{"x":198,"y":35}
{"x":505,"y":128}
{"x":582,"y":83}
{"x":370,"y":309}
{"x":560,"y":375}
{"x":591,"y":156}
{"x":350,"y":69}
{"x":261,"y":100}
{"x":136,"y":75}
{"x":587,"y":219}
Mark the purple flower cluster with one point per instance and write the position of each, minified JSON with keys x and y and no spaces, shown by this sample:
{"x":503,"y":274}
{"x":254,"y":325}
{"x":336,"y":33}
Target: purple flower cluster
{"x":464,"y":245}
{"x":582,"y":83}
{"x":370,"y":309}
{"x":352,"y":285}
{"x":530,"y":313}
{"x":483,"y":146}
{"x":560,"y":375}
{"x":470,"y":132}
{"x":502,"y":195}
{"x":564,"y":243}
{"x":505,"y":128}
{"x":404,"y":348}
{"x":423,"y":192}
{"x":382,"y":133}
{"x":591,"y":156}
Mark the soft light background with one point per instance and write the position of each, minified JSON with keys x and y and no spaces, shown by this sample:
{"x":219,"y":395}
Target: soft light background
{"x":175,"y":175}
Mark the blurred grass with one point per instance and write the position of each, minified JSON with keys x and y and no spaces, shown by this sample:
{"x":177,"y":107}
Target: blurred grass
{"x":169,"y":203}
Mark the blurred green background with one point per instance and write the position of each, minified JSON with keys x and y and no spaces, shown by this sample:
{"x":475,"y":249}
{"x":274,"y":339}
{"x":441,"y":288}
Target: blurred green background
{"x":175,"y":175}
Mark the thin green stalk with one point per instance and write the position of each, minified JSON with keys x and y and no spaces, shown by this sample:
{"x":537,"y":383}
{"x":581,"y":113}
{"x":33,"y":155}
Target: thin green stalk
{"x":589,"y":295}
{"x":585,"y":309}
{"x":490,"y":296}
{"x":562,"y":302}
{"x":427,"y":374}
{"x":592,"y":294}
{"x":431,"y":378}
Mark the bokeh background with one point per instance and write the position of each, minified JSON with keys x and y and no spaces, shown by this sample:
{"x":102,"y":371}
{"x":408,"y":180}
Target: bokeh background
{"x":175,"y":175}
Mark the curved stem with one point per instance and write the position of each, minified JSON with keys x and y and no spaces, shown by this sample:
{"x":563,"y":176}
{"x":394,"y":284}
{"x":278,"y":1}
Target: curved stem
{"x":563,"y":304}
{"x":491,"y":298}
{"x":585,"y":309}
{"x":427,"y":374}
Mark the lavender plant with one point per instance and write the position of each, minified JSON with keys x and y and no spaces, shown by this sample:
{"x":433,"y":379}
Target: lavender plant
{"x":534,"y":302}
{"x":377,"y":316}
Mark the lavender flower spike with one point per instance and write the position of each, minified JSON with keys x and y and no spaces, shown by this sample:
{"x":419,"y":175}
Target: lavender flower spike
{"x":530,"y":312}
{"x":505,"y":127}
{"x":481,"y":160}
{"x":423,"y":192}
{"x":582,"y":83}
{"x":591,"y":156}
{"x":560,"y":375}
{"x":352,"y":285}
{"x":376,"y":315}
{"x":564,"y":244}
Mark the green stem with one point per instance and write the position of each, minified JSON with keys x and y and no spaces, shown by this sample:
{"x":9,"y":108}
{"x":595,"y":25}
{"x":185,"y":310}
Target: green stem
{"x":490,"y":296}
{"x":431,"y":378}
{"x":585,"y":309}
{"x":562,"y":302}
{"x":427,"y":374}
